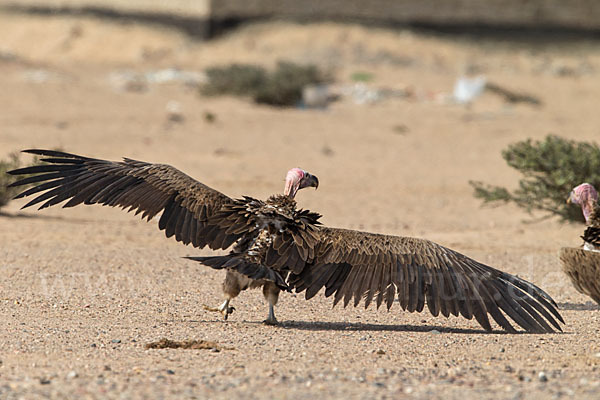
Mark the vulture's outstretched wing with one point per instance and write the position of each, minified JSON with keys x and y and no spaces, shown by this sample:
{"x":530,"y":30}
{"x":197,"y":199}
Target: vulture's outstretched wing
{"x":188,"y":206}
{"x":360,"y":265}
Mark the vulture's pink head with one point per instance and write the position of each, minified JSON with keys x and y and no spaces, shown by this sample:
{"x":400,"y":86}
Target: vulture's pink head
{"x":297,"y":179}
{"x":586,"y":196}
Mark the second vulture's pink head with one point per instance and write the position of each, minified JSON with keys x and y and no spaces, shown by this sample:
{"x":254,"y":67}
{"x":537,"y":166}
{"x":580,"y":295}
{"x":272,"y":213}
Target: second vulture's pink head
{"x":586,"y":196}
{"x":297,"y":179}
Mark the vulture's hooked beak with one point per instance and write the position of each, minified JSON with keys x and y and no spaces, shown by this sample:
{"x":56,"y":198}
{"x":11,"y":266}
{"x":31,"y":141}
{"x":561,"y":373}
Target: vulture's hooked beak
{"x":570,"y":198}
{"x":309,"y":181}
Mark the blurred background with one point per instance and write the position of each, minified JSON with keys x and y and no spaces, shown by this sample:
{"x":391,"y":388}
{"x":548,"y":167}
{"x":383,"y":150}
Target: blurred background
{"x":412,"y":113}
{"x":382,"y":99}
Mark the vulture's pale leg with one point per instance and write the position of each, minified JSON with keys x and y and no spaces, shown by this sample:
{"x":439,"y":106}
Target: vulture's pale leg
{"x":223,"y":308}
{"x":271,"y":293}
{"x":233,"y":284}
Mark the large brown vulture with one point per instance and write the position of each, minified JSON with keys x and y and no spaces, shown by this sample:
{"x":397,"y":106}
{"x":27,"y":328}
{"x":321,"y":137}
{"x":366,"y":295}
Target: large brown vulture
{"x":582,"y":265}
{"x":280,"y":247}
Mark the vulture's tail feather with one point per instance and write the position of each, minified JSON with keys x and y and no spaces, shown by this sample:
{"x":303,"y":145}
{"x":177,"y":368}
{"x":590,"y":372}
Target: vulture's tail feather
{"x":244,"y":267}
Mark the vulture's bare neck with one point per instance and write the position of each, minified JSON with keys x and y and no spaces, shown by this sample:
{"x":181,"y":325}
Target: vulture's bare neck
{"x":594,"y":216}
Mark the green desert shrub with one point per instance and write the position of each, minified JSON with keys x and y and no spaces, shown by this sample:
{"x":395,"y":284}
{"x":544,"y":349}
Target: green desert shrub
{"x":280,"y":87}
{"x":550,"y":169}
{"x":13,"y":161}
{"x":234,"y":79}
{"x":6,"y":193}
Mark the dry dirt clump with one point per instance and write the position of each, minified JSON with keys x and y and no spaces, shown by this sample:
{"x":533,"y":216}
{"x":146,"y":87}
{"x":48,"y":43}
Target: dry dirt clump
{"x":165,"y":343}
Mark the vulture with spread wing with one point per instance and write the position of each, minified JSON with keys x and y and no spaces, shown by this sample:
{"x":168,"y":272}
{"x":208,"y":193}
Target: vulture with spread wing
{"x":276,"y":246}
{"x":582,"y":265}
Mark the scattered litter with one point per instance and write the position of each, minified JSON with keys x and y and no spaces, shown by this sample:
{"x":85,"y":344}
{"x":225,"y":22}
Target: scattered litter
{"x":138,"y":82}
{"x":170,"y":75}
{"x":316,"y":96}
{"x":512,"y":97}
{"x":128,"y":81}
{"x":361,"y":93}
{"x":319,"y":96}
{"x":187,"y":344}
{"x":39,"y":75}
{"x":468,"y":89}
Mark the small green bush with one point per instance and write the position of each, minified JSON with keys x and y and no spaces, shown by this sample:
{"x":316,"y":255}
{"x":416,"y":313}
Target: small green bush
{"x":12,"y":162}
{"x":281,"y":87}
{"x":6,"y":193}
{"x":234,"y":79}
{"x":550,"y":168}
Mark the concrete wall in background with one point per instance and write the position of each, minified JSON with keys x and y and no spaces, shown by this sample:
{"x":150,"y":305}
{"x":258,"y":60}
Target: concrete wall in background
{"x":189,"y":8}
{"x":573,"y":14}
{"x":529,"y":13}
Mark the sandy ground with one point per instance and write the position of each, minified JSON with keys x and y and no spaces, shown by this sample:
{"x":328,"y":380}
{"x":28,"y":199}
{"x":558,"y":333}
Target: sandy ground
{"x":82,"y":291}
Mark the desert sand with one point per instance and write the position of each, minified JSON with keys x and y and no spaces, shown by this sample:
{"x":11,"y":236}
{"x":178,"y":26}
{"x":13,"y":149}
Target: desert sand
{"x":84,"y":290}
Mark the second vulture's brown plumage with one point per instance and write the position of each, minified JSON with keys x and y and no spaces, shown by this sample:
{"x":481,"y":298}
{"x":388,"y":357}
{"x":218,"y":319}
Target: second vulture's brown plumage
{"x":280,"y":247}
{"x":583,"y":268}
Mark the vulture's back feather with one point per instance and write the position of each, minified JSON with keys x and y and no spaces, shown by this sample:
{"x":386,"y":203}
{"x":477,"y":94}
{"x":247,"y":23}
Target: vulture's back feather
{"x":583,"y":268}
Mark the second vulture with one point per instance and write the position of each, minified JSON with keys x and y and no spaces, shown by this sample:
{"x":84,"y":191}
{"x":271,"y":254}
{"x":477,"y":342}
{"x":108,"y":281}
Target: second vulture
{"x":582,"y":265}
{"x":276,"y":246}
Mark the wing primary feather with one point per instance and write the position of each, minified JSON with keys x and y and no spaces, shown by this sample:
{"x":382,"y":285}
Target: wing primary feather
{"x":41,"y":187}
{"x":337,"y":279}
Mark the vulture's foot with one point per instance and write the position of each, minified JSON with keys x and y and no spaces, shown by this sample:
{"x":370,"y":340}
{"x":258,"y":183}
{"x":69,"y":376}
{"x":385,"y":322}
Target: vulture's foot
{"x":224,"y":309}
{"x":271,"y":320}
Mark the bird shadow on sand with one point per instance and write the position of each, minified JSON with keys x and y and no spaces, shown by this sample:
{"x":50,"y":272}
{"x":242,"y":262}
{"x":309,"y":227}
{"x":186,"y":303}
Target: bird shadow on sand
{"x":42,"y":217}
{"x":360,"y":327}
{"x":366,"y":327}
{"x":587,"y":306}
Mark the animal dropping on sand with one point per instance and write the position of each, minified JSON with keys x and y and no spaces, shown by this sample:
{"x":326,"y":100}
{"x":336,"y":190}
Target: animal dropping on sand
{"x":276,"y":246}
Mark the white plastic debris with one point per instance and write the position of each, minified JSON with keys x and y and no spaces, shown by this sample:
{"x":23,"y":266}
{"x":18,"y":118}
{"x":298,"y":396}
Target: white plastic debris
{"x":175,"y":75}
{"x":316,"y":96}
{"x":138,"y":82}
{"x":468,"y":89}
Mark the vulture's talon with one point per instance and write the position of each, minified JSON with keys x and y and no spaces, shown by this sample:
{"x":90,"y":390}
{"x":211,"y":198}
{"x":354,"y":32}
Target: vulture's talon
{"x":208,"y":308}
{"x":224,"y":309}
{"x":271,"y":322}
{"x":226,"y":312}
